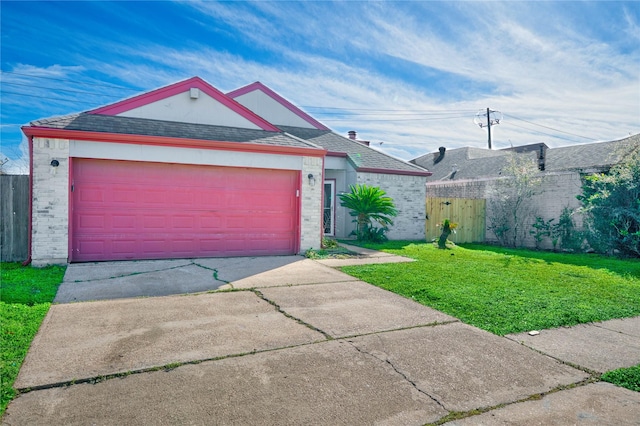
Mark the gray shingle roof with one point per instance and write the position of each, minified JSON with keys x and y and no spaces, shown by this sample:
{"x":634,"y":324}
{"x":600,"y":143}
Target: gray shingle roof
{"x":475,"y":163}
{"x":469,"y":162}
{"x":592,"y":157}
{"x":361,"y":156}
{"x":147,"y":127}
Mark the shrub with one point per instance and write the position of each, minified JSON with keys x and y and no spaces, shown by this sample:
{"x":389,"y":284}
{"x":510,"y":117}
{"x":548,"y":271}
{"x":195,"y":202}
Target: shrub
{"x":611,"y":204}
{"x":369,"y":204}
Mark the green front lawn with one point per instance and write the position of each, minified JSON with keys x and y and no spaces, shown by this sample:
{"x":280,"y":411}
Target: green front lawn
{"x":25,"y":296}
{"x":507,"y":290}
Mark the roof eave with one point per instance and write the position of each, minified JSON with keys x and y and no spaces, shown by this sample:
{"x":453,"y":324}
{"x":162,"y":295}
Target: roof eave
{"x":125,"y":138}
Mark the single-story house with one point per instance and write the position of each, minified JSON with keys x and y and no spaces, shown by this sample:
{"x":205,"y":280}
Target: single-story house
{"x":471,"y":174}
{"x":188,"y":171}
{"x":481,"y":163}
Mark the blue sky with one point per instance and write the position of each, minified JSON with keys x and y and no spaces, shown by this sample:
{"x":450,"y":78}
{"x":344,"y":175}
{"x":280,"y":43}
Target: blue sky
{"x":409,"y":76}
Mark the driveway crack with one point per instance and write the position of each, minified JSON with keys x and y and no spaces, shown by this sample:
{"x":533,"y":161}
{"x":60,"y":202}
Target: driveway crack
{"x":288,"y":315}
{"x":214,"y":270}
{"x":129,"y":275}
{"x":387,"y":361}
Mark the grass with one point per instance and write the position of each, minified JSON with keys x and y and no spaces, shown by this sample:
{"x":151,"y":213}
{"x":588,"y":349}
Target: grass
{"x":25,"y":296}
{"x":506,"y":290}
{"x":624,"y":377}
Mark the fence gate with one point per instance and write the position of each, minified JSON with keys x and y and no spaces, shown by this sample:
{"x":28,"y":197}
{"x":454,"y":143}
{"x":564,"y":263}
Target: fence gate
{"x":469,"y":214}
{"x":14,"y":217}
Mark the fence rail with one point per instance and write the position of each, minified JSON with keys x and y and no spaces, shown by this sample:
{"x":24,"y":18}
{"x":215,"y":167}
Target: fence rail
{"x":469,"y":214}
{"x":14,"y":217}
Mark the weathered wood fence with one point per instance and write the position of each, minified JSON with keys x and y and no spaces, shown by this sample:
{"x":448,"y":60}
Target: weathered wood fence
{"x":14,"y":217}
{"x":469,"y":214}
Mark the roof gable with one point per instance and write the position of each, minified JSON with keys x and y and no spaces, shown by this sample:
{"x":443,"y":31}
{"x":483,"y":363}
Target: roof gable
{"x":273,"y":107}
{"x":190,"y":101}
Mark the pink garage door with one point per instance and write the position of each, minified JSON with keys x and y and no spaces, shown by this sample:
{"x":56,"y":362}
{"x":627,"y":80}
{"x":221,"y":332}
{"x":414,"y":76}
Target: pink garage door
{"x":134,"y":210}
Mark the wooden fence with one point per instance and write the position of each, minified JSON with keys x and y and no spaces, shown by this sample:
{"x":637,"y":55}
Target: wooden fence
{"x":469,"y":214}
{"x":14,"y":217}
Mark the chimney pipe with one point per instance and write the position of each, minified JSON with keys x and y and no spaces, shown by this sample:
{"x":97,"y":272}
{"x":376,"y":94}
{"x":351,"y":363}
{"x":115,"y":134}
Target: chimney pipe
{"x":352,"y":134}
{"x":440,"y":156}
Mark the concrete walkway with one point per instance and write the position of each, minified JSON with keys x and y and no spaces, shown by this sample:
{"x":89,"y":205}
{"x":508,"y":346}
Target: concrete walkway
{"x":292,"y":341}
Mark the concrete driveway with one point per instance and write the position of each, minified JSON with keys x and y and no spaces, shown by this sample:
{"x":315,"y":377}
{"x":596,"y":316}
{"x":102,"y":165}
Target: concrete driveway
{"x":285,"y":341}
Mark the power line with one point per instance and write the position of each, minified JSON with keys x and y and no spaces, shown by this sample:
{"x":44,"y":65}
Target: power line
{"x":509,"y":123}
{"x":451,"y":111}
{"x":397,"y":119}
{"x":550,"y":128}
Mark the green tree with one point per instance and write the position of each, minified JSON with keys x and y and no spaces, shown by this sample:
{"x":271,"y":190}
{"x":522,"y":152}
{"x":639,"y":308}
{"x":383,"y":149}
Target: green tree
{"x":369,"y":204}
{"x":611,"y":205}
{"x":509,"y":201}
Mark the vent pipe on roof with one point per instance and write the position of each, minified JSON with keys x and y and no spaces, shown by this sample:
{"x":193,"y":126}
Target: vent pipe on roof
{"x":352,"y":134}
{"x":440,"y":156}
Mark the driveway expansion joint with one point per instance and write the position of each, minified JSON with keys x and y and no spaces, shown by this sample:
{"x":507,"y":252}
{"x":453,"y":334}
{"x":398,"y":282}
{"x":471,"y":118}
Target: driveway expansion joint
{"x":592,"y":373}
{"x":391,"y":330}
{"x":459,"y":415}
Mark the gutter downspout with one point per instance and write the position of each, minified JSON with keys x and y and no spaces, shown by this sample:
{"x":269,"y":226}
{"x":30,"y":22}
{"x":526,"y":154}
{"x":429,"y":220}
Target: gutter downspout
{"x":30,"y":224}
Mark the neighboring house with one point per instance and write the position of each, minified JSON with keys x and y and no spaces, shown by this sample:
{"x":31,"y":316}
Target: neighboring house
{"x":187,"y":171}
{"x":470,"y":173}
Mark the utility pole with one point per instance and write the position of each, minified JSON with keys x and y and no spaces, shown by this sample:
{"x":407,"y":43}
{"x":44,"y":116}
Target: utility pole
{"x":479,"y":120}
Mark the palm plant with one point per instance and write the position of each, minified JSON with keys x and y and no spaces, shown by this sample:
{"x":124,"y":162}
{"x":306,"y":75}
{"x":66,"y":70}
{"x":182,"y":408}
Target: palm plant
{"x":368,"y":204}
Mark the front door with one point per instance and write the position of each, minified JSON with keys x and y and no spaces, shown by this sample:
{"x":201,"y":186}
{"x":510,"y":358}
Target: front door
{"x":329,"y":207}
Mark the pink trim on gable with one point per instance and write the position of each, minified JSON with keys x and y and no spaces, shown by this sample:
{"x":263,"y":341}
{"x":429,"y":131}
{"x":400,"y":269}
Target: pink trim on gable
{"x":282,"y":101}
{"x":180,"y":87}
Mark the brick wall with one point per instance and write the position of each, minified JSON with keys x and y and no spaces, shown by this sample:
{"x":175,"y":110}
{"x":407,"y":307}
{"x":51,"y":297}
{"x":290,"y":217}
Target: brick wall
{"x":408,"y":194}
{"x":311,"y":214}
{"x":50,"y":231}
{"x":557,"y":191}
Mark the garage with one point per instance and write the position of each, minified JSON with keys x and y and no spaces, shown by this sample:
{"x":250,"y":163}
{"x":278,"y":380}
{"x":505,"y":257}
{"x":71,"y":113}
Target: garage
{"x":123,"y":210}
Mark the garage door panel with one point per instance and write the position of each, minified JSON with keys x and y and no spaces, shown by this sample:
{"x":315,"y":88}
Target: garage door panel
{"x":134,"y":210}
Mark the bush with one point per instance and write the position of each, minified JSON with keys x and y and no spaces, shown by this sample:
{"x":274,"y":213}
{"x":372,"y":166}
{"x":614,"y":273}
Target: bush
{"x":611,"y":204}
{"x":368,"y":204}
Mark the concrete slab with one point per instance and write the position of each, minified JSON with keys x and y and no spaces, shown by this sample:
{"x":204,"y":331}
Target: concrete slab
{"x":347,"y":309}
{"x":305,"y":271}
{"x":594,"y":404}
{"x":85,"y":340}
{"x":628,"y":326}
{"x":465,"y":368}
{"x":328,"y":383}
{"x":189,"y":278}
{"x":588,"y":346}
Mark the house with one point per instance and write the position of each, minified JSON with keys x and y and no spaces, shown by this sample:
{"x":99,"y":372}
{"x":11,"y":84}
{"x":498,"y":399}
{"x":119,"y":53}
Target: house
{"x":188,"y":171}
{"x":481,"y":163}
{"x":472,"y":173}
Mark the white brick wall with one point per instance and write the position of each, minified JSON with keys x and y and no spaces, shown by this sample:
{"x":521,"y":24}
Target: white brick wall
{"x":408,"y":194}
{"x":311,"y":205}
{"x":50,"y":231}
